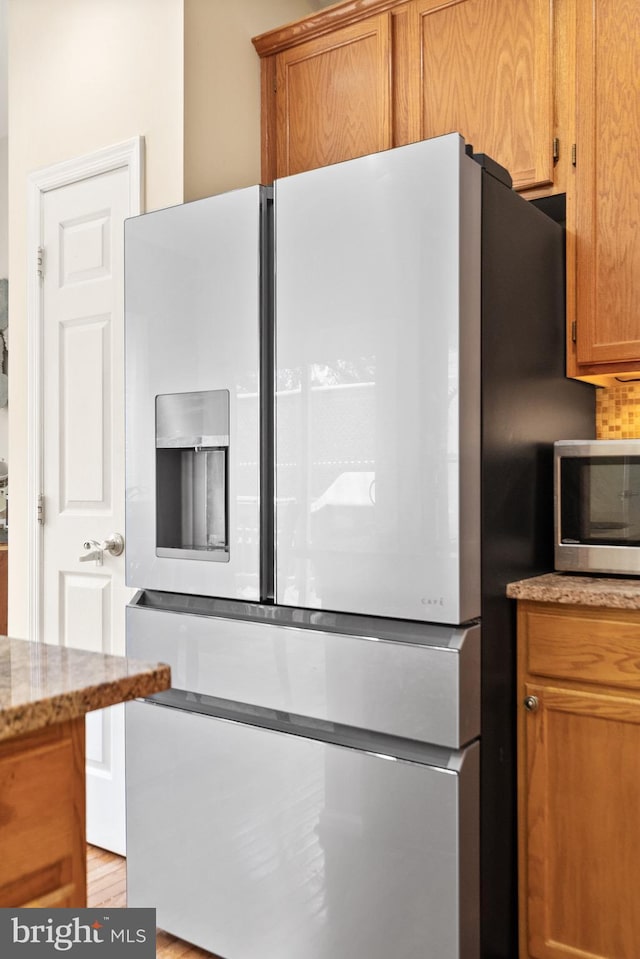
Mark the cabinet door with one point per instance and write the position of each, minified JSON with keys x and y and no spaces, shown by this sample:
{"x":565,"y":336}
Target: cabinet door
{"x":580,"y":791}
{"x":608,"y":187}
{"x":42,"y":818}
{"x":483,"y":69}
{"x":334,"y":97}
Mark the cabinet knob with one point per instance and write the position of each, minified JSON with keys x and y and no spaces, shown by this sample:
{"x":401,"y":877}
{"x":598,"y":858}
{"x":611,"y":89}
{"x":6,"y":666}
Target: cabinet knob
{"x":531,"y":703}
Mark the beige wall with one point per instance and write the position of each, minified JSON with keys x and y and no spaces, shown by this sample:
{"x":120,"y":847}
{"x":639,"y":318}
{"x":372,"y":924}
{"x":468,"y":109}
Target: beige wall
{"x":4,"y":271}
{"x":222,"y":86}
{"x":85,"y":74}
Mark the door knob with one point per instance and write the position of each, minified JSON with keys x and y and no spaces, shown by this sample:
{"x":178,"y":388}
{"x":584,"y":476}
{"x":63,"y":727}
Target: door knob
{"x":114,"y":544}
{"x":531,"y":703}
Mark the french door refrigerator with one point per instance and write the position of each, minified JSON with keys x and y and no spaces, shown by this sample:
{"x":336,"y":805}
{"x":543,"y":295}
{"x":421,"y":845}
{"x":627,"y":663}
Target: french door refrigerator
{"x":342,"y":395}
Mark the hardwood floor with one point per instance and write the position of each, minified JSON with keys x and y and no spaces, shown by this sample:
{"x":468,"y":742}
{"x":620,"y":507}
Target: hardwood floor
{"x":107,"y":886}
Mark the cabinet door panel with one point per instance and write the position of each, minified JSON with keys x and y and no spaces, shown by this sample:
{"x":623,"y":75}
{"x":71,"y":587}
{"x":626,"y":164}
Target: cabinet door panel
{"x":582,"y":842}
{"x":583,"y":645}
{"x":334,"y":97}
{"x":42,"y":818}
{"x":486,"y":73}
{"x":608,"y":214}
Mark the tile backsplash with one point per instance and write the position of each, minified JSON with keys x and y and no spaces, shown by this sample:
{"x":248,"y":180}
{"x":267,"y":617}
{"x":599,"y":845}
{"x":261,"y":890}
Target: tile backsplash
{"x":618,"y":412}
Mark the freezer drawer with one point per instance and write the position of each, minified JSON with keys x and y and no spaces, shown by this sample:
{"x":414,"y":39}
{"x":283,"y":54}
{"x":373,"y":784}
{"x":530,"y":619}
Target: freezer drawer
{"x":256,"y":844}
{"x":411,"y":680}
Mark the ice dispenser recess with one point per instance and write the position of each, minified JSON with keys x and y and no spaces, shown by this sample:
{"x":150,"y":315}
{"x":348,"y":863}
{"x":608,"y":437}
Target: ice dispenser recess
{"x":192,"y":446}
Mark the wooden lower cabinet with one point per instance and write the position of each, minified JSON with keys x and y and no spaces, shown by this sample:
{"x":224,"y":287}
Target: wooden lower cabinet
{"x":42,"y":818}
{"x":579,"y":782}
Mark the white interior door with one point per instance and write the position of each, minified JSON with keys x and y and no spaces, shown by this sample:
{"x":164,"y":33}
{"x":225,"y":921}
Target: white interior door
{"x":83,"y":602}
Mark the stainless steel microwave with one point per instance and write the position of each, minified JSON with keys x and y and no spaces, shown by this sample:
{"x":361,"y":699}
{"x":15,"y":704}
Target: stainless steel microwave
{"x":597,"y":506}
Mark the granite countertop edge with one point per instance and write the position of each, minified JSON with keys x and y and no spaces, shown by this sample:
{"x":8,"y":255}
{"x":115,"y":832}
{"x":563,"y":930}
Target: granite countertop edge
{"x":86,"y":681}
{"x":578,"y":590}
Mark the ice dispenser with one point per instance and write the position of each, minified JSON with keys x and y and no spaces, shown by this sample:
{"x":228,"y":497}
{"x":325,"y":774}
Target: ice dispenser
{"x":192,"y":446}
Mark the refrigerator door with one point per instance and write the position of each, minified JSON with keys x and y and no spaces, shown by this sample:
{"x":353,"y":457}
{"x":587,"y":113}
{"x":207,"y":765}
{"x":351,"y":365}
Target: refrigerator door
{"x":378,"y":385}
{"x":256,"y":844}
{"x":192,"y":307}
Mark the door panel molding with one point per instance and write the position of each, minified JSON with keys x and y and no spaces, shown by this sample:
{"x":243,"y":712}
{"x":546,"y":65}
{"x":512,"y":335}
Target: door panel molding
{"x":128,"y":154}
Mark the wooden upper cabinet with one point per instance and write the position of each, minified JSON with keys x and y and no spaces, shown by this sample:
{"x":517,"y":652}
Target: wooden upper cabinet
{"x":333,"y":98}
{"x":607,"y":215}
{"x":367,"y":75}
{"x":483,"y":68}
{"x":513,"y":77}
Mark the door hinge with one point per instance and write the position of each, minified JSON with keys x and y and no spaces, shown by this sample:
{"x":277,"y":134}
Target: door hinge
{"x":40,"y":263}
{"x":556,"y":149}
{"x":573,"y":154}
{"x":574,"y":332}
{"x":40,"y":509}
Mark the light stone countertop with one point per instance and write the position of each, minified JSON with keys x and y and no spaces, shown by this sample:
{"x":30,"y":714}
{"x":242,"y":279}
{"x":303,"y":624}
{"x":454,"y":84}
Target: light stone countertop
{"x":42,"y":684}
{"x":608,"y":593}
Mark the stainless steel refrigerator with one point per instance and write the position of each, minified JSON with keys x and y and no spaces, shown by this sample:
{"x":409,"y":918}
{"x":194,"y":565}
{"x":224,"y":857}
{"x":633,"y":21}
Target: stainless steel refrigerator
{"x":341,"y":399}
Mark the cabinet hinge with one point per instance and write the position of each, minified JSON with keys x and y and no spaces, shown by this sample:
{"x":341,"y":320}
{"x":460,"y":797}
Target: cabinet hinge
{"x":275,"y":86}
{"x":573,"y":154}
{"x":556,"y":149}
{"x":40,"y":509}
{"x":40,"y":263}
{"x":574,"y":334}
